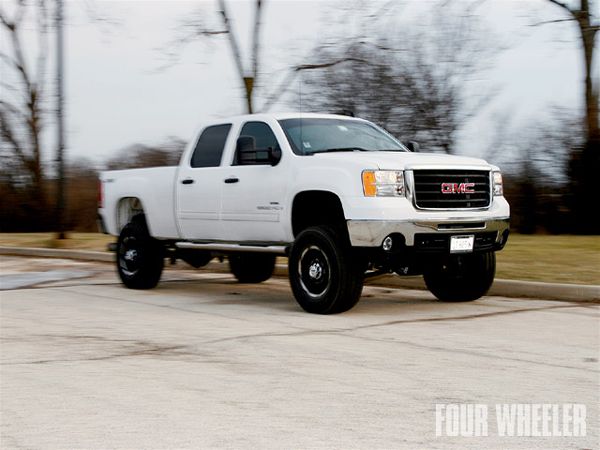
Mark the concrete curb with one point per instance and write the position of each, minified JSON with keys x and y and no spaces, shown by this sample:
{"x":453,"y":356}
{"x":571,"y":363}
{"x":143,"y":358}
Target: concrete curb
{"x":502,"y":288}
{"x":513,"y":288}
{"x":82,"y":255}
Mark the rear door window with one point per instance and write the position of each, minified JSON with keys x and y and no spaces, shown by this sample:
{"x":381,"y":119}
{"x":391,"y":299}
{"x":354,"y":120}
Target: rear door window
{"x":210,"y":145}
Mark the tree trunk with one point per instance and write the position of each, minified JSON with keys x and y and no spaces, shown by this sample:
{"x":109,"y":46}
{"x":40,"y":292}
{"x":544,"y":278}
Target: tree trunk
{"x":35,"y":129}
{"x":585,"y":163}
{"x":249,"y":88}
{"x":588,"y":34}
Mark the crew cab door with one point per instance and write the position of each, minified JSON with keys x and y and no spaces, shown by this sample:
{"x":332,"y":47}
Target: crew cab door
{"x":198,"y":186}
{"x":254,"y":192}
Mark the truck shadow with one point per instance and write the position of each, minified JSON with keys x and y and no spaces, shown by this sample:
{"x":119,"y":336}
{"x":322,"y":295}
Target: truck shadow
{"x":276,"y":294}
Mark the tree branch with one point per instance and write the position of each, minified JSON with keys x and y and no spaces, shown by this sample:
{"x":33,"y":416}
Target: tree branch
{"x":20,"y":128}
{"x":232,"y":39}
{"x":18,"y":61}
{"x":8,"y":136}
{"x":43,"y":45}
{"x":4,"y":21}
{"x":211,"y":32}
{"x":8,"y":59}
{"x":7,"y":86}
{"x":9,"y":107}
{"x":551,"y":21}
{"x":327,"y":64}
{"x":284,"y":86}
{"x":563,"y":6}
{"x":256,"y":39}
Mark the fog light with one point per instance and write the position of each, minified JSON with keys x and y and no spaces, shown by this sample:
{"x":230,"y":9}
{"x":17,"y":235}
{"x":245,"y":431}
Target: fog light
{"x":387,"y":243}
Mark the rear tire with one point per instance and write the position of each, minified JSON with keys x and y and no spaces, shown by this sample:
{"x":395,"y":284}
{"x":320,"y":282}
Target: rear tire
{"x":140,"y":257}
{"x":325,"y":276}
{"x":462,"y":278}
{"x":252,"y":267}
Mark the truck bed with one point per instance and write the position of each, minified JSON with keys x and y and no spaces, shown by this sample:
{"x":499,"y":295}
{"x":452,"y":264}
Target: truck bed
{"x":155,"y":189}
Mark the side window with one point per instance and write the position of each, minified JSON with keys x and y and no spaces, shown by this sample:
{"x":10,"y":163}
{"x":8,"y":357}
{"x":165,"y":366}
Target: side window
{"x":263,"y":139}
{"x":210,"y":146}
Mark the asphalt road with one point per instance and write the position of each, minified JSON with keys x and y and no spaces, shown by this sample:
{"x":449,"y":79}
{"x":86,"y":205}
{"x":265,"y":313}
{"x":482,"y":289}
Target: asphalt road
{"x":204,"y":362}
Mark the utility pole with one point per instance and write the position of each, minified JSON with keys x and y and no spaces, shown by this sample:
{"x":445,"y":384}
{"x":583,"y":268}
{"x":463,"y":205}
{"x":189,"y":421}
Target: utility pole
{"x":60,"y":196}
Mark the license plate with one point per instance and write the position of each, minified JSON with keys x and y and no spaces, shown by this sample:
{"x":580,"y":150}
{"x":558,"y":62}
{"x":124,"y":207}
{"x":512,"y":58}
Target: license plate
{"x":461,"y":244}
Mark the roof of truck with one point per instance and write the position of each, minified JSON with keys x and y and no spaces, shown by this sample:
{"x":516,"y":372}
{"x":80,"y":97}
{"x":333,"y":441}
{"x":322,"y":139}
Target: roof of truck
{"x":293,"y":115}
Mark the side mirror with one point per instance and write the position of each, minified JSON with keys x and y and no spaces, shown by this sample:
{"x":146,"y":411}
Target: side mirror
{"x":248,"y":154}
{"x":413,"y":146}
{"x":274,"y":155}
{"x":245,"y":144}
{"x":245,"y":151}
{"x":269,"y":156}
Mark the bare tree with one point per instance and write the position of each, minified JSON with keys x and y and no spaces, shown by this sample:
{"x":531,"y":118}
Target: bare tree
{"x":587,"y":30}
{"x":535,"y":161}
{"x":139,"y":155}
{"x":24,"y":88}
{"x":194,"y":28}
{"x":82,"y":194}
{"x":584,"y":162}
{"x":414,"y":85}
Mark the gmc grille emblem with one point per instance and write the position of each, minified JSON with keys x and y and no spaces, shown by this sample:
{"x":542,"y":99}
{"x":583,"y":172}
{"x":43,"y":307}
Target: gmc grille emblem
{"x":458,"y":188}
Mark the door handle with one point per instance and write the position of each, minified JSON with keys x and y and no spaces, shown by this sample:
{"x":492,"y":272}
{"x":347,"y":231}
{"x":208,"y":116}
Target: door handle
{"x":187,"y":181}
{"x":231,"y":180}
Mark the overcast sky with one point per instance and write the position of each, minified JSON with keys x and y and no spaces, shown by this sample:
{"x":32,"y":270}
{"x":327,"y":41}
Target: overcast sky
{"x":118,"y":94}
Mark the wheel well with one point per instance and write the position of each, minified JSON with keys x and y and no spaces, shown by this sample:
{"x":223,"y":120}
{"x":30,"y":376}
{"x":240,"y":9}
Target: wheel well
{"x":312,"y":208}
{"x":127,"y":208}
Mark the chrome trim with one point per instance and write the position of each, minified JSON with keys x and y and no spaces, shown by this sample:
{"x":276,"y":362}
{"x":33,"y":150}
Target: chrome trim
{"x":222,"y":247}
{"x":304,"y":287}
{"x":409,"y":185}
{"x":371,"y":233}
{"x":447,"y":167}
{"x":409,"y":175}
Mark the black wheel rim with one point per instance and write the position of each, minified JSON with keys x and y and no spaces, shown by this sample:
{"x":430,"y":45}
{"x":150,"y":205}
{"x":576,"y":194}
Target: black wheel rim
{"x":129,"y":256}
{"x":314,"y":272}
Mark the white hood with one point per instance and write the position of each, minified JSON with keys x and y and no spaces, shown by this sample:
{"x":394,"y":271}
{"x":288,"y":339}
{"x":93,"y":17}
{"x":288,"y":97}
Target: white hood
{"x":403,"y":160}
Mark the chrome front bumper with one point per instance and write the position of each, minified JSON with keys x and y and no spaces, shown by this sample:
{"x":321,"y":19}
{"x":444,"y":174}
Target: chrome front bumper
{"x":371,"y":233}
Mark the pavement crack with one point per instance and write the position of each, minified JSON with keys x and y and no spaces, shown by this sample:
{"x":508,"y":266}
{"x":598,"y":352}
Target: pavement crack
{"x":390,"y":323}
{"x":55,"y":284}
{"x":454,"y":351}
{"x":468,"y":316}
{"x":176,"y":308}
{"x":171,"y":307}
{"x":132,"y":348}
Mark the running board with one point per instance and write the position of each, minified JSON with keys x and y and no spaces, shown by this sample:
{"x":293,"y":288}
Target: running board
{"x":220,"y":247}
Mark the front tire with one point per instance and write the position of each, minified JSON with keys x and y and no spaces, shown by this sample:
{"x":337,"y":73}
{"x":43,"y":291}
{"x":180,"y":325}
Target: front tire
{"x":140,"y":257}
{"x":324,"y":275}
{"x":252,"y":267}
{"x":462,"y":278}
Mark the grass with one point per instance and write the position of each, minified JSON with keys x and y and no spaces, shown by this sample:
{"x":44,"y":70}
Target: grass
{"x":79,"y":241}
{"x":558,"y":259}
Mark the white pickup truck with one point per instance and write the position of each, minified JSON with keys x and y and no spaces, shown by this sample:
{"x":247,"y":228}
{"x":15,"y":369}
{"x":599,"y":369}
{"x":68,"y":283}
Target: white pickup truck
{"x":337,"y":195}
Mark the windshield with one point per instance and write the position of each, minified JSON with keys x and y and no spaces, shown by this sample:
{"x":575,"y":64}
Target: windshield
{"x":309,"y":136}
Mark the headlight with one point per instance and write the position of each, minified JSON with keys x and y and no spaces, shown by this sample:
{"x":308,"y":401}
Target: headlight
{"x":497,"y":180}
{"x":383,"y":183}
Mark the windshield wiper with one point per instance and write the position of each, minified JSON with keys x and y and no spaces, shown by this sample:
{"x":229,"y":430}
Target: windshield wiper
{"x":340,"y":149}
